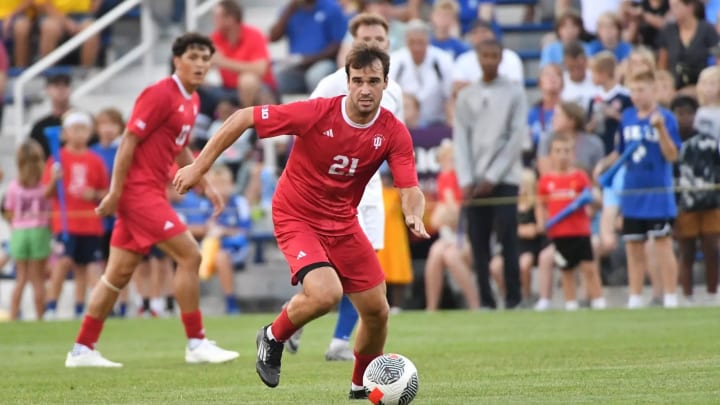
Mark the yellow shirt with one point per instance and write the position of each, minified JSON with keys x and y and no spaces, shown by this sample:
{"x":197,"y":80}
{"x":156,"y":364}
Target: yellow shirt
{"x":69,"y":6}
{"x":8,"y":6}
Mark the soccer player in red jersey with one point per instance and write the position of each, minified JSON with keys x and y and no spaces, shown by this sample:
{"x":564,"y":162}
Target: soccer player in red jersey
{"x":156,"y":137}
{"x":340,"y":143}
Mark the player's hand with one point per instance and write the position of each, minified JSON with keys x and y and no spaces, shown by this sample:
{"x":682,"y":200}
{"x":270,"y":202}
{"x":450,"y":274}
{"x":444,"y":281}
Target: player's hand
{"x":483,"y":189}
{"x":108,"y":205}
{"x":598,"y":171}
{"x":417,"y":226}
{"x":215,"y":199}
{"x":56,"y":172}
{"x":186,"y":178}
{"x":657,"y":120}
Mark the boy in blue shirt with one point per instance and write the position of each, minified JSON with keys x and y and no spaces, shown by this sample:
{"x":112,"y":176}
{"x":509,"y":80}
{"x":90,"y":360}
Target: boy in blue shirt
{"x":647,"y":214}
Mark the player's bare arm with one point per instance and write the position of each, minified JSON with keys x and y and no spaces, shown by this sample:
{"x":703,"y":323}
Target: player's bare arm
{"x":413,"y":207}
{"x":667,"y":146}
{"x":190,"y":175}
{"x":123,"y":160}
{"x":56,"y":174}
{"x":185,"y":158}
{"x":605,"y":163}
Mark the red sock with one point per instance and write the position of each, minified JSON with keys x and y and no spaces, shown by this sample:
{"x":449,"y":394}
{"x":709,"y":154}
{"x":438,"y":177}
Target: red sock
{"x":193,"y":325}
{"x":282,"y":328}
{"x":89,"y":331}
{"x":361,"y":363}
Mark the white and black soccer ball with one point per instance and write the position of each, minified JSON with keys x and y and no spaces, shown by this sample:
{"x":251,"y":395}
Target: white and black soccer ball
{"x":391,"y":379}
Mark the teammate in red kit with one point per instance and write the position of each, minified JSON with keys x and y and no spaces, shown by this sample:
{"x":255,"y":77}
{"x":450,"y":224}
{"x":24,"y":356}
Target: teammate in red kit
{"x":156,"y":137}
{"x":340,"y":143}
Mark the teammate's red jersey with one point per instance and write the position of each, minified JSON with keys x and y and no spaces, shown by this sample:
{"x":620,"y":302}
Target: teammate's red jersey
{"x":163,"y":116}
{"x":332,"y":160}
{"x":447,"y":181}
{"x":80,"y":172}
{"x":559,"y":190}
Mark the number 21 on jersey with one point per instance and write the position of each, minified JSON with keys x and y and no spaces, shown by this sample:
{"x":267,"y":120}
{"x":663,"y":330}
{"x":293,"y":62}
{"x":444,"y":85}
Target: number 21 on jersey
{"x":183,"y":136}
{"x":340,"y":167}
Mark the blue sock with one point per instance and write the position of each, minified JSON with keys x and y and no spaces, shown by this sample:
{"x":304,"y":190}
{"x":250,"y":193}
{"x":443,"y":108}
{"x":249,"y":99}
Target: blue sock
{"x":347,"y":318}
{"x":231,"y":305}
{"x":79,"y":309}
{"x":51,"y":305}
{"x":122,"y":309}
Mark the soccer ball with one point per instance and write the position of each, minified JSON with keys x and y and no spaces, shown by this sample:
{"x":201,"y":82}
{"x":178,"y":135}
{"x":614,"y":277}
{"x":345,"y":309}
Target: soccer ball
{"x":391,"y":379}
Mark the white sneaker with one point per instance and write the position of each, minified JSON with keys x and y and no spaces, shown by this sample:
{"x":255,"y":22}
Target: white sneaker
{"x":208,"y":352}
{"x":571,"y":306}
{"x":91,"y":358}
{"x":598,"y":303}
{"x":543,"y":304}
{"x":339,"y":353}
{"x":50,"y":315}
{"x":635,"y":302}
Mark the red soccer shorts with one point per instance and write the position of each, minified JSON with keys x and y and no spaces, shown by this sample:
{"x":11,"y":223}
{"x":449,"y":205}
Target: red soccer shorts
{"x":140,"y":227}
{"x":352,"y":256}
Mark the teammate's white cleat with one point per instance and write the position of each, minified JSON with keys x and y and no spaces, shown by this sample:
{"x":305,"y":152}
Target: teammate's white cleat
{"x":208,"y":352}
{"x":339,"y":353}
{"x":91,"y":358}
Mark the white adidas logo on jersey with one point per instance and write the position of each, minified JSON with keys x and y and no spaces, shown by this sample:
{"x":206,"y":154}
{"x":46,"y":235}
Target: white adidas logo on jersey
{"x":168,"y":225}
{"x":181,"y":108}
{"x":328,"y":133}
{"x":301,"y":255}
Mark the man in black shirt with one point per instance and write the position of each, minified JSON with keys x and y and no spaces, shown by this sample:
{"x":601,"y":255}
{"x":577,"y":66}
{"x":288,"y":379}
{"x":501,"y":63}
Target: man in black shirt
{"x":57,"y":88}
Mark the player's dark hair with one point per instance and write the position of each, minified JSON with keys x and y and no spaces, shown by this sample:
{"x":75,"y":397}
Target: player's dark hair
{"x":364,"y":55}
{"x":232,"y":8}
{"x":191,"y":40}
{"x":574,"y":50}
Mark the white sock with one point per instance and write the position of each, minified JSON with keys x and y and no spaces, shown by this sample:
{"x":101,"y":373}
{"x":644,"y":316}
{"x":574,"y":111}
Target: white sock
{"x":598,"y":303}
{"x":670,"y":301}
{"x":571,"y":305}
{"x":356,"y":387}
{"x":194,"y":343}
{"x":635,"y":301}
{"x":79,"y":349}
{"x":157,"y":305}
{"x":336,"y":343}
{"x":269,"y":333}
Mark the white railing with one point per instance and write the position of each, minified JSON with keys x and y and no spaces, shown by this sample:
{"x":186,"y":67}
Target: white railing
{"x":141,"y":50}
{"x":193,"y":12}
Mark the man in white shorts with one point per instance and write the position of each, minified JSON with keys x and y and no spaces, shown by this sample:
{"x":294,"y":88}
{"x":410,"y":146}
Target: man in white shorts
{"x":368,"y":28}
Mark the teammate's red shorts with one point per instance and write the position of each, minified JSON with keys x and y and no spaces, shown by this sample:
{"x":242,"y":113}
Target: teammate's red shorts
{"x":352,"y":256}
{"x":141,"y":226}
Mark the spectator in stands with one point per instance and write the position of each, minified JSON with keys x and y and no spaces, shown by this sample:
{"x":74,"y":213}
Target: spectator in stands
{"x":411,"y":108}
{"x":314,"y":29}
{"x":712,"y":13}
{"x":645,"y":20}
{"x":608,"y":105}
{"x":57,"y":89}
{"x":243,"y":60}
{"x":84,"y":182}
{"x":467,"y":69}
{"x":26,"y":208}
{"x":666,"y":92}
{"x":647,"y":215}
{"x":451,"y":251}
{"x":531,"y":237}
{"x":541,"y":114}
{"x":425,"y":72}
{"x":444,"y":20}
{"x":232,"y":226}
{"x":568,"y":29}
{"x":473,"y":10}
{"x":609,"y":38}
{"x":489,"y":132}
{"x":396,"y":28}
{"x":4,"y":66}
{"x":66,"y":18}
{"x":577,"y":81}
{"x":591,"y":10}
{"x":685,"y":45}
{"x":641,"y":59}
{"x":15,"y":29}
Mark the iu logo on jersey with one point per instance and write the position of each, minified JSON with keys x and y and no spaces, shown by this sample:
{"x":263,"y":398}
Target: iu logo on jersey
{"x":377,"y":141}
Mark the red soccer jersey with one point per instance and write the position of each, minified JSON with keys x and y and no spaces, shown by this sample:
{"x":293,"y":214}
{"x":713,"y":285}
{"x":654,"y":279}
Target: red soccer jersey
{"x":251,"y":46}
{"x":332,"y":160}
{"x":559,"y":190}
{"x":80,"y":171}
{"x":163,"y":117}
{"x":448,"y":181}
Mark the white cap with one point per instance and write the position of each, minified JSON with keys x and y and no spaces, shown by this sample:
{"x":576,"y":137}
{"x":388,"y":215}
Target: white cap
{"x":77,"y":117}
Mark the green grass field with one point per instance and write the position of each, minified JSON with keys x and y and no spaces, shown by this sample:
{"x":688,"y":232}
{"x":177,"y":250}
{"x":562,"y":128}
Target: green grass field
{"x":649,"y":356}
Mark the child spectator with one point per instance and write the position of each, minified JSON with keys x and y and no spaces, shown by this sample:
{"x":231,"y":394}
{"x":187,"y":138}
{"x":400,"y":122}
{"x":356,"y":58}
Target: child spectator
{"x":232,"y":226}
{"x":84,"y":182}
{"x":451,"y":250}
{"x":444,"y":19}
{"x":606,"y":107}
{"x":531,"y":237}
{"x":665,"y":88}
{"x":610,"y":38}
{"x":568,"y":29}
{"x":27,"y":210}
{"x":411,"y":106}
{"x":570,"y":236}
{"x":647,"y":215}
{"x":699,"y":171}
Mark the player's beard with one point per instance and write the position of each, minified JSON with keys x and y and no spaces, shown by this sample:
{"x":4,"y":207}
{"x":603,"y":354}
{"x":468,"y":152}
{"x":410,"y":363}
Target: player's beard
{"x":366,"y":106}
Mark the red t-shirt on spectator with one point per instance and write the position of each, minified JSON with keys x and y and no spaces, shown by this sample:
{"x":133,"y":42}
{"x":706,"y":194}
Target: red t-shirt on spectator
{"x":251,"y":46}
{"x":558,"y":190}
{"x":448,"y":181}
{"x":80,"y":171}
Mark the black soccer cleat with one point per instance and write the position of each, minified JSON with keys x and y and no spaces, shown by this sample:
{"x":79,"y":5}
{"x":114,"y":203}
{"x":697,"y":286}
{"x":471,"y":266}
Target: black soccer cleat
{"x":268,"y":358}
{"x":358,"y":394}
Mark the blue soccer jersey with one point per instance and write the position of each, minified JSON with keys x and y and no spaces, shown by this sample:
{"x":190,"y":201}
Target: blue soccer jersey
{"x":193,"y":209}
{"x":647,"y":169}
